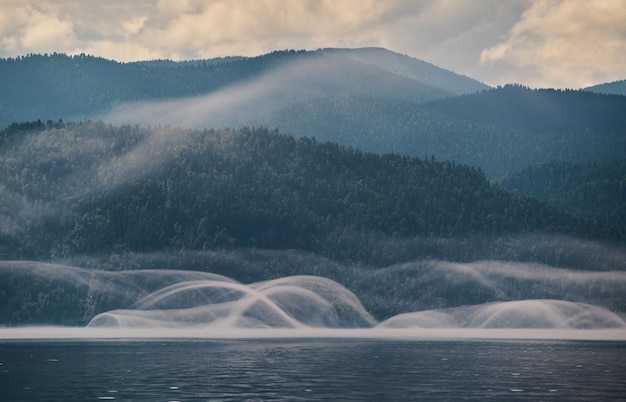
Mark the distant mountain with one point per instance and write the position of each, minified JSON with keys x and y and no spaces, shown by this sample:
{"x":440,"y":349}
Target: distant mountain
{"x":501,"y":130}
{"x":309,"y":77}
{"x":528,"y":109}
{"x":614,"y":88}
{"x":413,"y":69}
{"x":58,"y":86}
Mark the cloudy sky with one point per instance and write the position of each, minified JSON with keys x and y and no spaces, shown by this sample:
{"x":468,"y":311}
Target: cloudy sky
{"x":540,"y":43}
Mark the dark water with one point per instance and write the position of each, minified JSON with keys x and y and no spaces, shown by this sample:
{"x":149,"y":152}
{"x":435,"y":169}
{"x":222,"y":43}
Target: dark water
{"x":311,"y":370}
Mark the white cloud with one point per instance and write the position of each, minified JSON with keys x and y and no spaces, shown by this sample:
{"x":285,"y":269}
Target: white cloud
{"x":34,"y":28}
{"x":567,"y":43}
{"x":12,"y":19}
{"x":46,"y":32}
{"x":250,"y":27}
{"x":536,"y":42}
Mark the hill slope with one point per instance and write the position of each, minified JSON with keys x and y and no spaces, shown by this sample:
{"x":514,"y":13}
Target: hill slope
{"x":93,"y":188}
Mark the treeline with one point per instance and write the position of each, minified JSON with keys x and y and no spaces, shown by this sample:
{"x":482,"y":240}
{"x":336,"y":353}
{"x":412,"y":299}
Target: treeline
{"x":91,"y":188}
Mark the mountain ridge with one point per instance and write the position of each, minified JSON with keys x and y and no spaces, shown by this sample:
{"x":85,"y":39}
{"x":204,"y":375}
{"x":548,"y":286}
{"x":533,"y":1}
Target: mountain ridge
{"x":58,"y":86}
{"x":614,"y":88}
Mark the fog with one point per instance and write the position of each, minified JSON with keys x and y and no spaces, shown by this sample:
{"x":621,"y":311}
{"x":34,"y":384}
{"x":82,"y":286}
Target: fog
{"x":250,"y":102}
{"x":46,"y":174}
{"x":556,"y":314}
{"x":256,"y":101}
{"x":193,"y":304}
{"x":291,"y":302}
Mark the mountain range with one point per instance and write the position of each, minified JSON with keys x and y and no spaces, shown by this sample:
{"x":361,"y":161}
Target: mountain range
{"x":369,"y":98}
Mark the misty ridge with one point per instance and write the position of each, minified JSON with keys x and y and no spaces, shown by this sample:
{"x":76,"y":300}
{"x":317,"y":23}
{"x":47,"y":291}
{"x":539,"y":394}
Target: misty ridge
{"x":369,"y":98}
{"x":352,"y":184}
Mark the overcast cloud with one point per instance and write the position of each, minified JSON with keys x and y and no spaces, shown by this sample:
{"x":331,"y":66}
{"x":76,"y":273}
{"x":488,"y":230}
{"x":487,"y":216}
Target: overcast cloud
{"x":540,"y":43}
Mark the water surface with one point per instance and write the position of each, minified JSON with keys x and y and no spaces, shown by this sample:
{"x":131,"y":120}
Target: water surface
{"x":311,"y":370}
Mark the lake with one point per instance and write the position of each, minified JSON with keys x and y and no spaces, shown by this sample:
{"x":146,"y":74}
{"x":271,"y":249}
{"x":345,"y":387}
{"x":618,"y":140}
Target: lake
{"x":319,"y":369}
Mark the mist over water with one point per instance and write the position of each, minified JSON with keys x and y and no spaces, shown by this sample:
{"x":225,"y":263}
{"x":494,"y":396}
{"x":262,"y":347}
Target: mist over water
{"x":172,"y":303}
{"x":292,"y":302}
{"x":537,"y":314}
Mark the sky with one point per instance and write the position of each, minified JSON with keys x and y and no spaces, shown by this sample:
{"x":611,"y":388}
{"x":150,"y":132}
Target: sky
{"x":538,"y":43}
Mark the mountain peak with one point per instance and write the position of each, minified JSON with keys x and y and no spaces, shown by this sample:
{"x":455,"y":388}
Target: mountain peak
{"x":415,"y":69}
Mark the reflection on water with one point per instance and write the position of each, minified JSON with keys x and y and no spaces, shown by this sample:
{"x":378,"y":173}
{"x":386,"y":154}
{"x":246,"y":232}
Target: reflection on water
{"x":311,"y":370}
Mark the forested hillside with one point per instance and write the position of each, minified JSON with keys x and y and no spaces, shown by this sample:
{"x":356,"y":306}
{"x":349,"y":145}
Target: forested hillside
{"x":594,"y":190}
{"x":89,"y":188}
